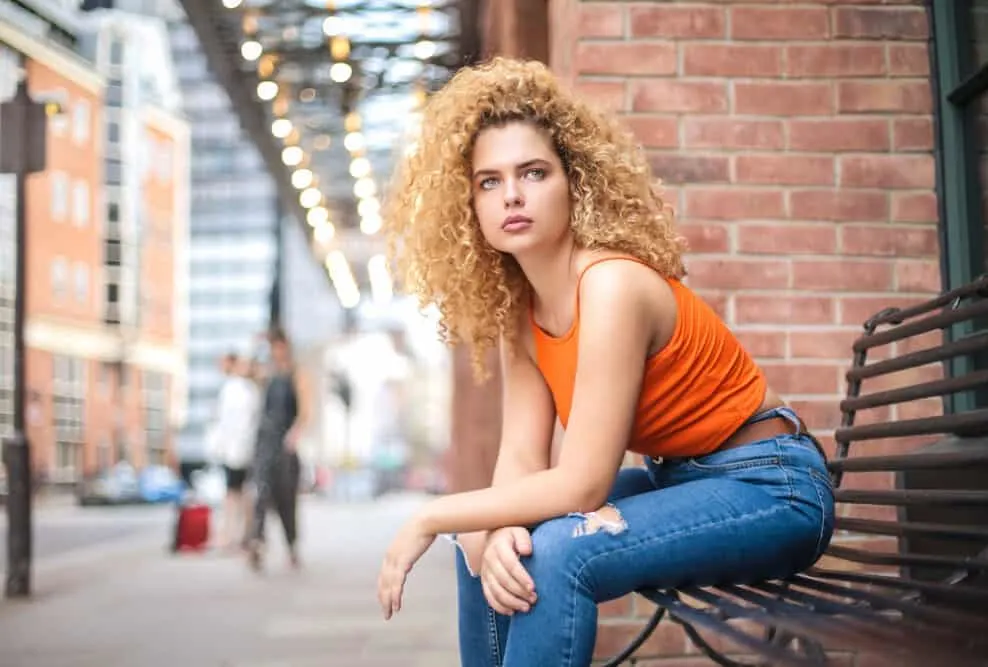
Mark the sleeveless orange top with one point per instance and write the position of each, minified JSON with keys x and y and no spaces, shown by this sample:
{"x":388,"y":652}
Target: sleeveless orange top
{"x":696,"y":391}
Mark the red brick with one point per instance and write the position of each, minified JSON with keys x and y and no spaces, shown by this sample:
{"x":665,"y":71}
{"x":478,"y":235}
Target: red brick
{"x":679,"y":168}
{"x":705,"y":237}
{"x":819,"y":414}
{"x":693,"y":22}
{"x":785,"y":169}
{"x":680,"y":96}
{"x":738,"y":273}
{"x":668,"y":639}
{"x":787,"y":239}
{"x":608,"y":95}
{"x":839,"y":134}
{"x":625,"y":58}
{"x":732,"y":133}
{"x":887,"y":171}
{"x":783,"y":98}
{"x":654,"y":131}
{"x":822,"y":343}
{"x":785,"y":308}
{"x":732,"y":60}
{"x":842,"y":275}
{"x":858,"y":309}
{"x":734,"y":204}
{"x":616,"y":608}
{"x":912,"y":134}
{"x":889,"y":240}
{"x":763,"y":344}
{"x":884,"y":96}
{"x":600,"y":20}
{"x":881,"y":23}
{"x":909,"y":60}
{"x":793,"y":378}
{"x":917,"y":275}
{"x":716,"y":300}
{"x":914,"y":207}
{"x":838,"y":205}
{"x":779,"y":23}
{"x":836,"y":60}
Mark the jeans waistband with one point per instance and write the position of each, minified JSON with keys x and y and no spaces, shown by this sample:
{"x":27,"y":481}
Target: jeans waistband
{"x":783,"y":411}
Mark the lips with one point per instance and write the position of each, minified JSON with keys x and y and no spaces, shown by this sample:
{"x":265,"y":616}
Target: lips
{"x":515,"y":222}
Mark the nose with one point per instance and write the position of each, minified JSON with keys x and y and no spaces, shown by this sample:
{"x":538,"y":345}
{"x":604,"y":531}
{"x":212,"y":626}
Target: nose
{"x":512,"y":194}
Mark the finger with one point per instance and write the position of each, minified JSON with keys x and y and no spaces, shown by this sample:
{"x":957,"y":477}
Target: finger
{"x":397,"y":584}
{"x":523,"y":541}
{"x":505,"y":597}
{"x":509,"y":560}
{"x":493,"y":601}
{"x":383,"y":595}
{"x":503,"y":576}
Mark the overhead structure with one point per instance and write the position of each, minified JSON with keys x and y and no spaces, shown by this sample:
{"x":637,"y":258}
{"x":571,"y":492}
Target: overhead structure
{"x":329,"y":91}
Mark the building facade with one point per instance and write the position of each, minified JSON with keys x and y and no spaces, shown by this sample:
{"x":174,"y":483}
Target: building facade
{"x":106,"y":239}
{"x":797,"y":144}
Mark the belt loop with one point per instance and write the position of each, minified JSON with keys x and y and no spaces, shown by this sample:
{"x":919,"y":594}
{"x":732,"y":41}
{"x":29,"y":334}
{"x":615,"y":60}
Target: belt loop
{"x":789,"y":414}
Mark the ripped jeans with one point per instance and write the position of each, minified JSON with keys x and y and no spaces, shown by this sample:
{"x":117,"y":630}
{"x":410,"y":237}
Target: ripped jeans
{"x":760,"y":511}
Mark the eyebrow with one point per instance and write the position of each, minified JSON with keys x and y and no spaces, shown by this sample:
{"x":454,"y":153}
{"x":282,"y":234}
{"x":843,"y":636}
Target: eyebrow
{"x":522,"y":165}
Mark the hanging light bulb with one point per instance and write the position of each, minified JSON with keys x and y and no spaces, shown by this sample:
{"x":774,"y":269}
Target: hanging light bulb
{"x":340,"y":72}
{"x":354,"y":141}
{"x":267,"y":90}
{"x":360,"y":167}
{"x":251,"y":50}
{"x":332,"y":26}
{"x":302,"y":178}
{"x":310,"y":197}
{"x":292,"y":156}
{"x":324,"y":233}
{"x":317,"y":215}
{"x":369,"y":206}
{"x":370,"y":224}
{"x":281,"y":128}
{"x":364,"y":188}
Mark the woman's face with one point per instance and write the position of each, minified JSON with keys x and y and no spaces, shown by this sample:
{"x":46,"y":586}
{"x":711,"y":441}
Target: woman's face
{"x":520,"y":189}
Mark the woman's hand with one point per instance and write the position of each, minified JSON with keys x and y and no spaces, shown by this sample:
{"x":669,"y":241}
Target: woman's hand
{"x":507,"y":585}
{"x":408,"y":546}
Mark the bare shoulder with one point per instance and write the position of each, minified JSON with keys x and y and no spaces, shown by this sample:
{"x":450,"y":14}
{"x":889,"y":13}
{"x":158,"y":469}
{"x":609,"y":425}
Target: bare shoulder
{"x":629,"y":291}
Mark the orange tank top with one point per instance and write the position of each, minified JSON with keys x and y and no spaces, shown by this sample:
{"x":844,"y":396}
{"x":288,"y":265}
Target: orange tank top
{"x":696,"y":391}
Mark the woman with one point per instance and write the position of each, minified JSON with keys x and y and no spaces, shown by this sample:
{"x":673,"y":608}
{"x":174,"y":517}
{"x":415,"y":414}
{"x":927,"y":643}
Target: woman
{"x":232,"y":443}
{"x":284,"y":415}
{"x":536,"y":222}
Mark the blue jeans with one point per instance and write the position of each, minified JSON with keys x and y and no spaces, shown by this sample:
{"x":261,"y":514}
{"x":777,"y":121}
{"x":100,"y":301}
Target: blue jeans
{"x":760,"y":511}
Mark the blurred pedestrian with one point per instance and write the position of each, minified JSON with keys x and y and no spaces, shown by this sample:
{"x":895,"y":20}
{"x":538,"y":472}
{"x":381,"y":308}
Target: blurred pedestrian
{"x":285,"y":410}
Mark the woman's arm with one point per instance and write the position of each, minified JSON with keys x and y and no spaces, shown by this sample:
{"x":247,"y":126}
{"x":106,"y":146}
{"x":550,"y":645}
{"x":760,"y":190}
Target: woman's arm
{"x":303,"y":403}
{"x":617,"y":326}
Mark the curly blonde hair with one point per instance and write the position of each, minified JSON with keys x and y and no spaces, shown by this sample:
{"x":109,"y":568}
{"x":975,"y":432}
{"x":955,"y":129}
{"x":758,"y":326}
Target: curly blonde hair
{"x":432,"y":229}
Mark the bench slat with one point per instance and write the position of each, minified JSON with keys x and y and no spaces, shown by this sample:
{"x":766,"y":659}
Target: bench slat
{"x":959,"y":594}
{"x":949,"y":423}
{"x":868,"y":557}
{"x":901,"y":528}
{"x":912,"y":497}
{"x":913,"y":461}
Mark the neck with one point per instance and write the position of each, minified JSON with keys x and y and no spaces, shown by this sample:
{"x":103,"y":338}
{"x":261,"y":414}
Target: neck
{"x":553,"y":276}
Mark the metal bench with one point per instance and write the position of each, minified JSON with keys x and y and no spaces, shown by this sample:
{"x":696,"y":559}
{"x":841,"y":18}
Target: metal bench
{"x":905,"y":579}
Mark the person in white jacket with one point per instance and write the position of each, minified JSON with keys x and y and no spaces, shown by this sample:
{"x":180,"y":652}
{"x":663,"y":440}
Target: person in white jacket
{"x":231,"y":443}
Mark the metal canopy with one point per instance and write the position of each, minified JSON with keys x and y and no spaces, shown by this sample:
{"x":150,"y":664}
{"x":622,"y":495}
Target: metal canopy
{"x":339,"y":84}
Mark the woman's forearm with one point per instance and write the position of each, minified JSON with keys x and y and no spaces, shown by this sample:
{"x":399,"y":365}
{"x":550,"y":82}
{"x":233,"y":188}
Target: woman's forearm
{"x":522,"y":502}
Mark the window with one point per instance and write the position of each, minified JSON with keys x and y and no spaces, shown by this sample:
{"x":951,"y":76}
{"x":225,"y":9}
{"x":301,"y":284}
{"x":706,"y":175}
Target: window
{"x":59,"y":195}
{"x":80,"y":122}
{"x":69,"y":404}
{"x":960,"y":43}
{"x":81,"y":282}
{"x":59,"y":278}
{"x":116,"y":50}
{"x":80,"y":203}
{"x":156,"y":417}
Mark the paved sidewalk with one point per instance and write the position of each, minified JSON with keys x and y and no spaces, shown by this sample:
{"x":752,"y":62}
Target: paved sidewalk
{"x":136,"y":606}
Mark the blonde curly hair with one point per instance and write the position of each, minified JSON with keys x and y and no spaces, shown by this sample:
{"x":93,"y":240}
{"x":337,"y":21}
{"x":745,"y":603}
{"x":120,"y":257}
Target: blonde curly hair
{"x":433,"y":233}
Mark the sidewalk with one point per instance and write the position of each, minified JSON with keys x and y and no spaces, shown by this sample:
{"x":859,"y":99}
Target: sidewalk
{"x":136,"y":606}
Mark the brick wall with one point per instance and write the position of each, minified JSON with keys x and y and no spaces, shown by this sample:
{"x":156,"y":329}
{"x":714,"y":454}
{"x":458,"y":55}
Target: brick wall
{"x":795,"y":140}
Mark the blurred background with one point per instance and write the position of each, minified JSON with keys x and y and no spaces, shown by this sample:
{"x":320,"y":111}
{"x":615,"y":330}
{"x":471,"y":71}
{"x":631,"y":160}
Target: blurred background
{"x":214,"y":169}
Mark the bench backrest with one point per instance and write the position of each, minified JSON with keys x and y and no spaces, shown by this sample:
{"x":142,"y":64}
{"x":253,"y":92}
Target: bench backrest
{"x":911,"y":461}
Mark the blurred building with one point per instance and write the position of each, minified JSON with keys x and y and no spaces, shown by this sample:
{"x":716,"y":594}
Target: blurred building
{"x":107,"y":224}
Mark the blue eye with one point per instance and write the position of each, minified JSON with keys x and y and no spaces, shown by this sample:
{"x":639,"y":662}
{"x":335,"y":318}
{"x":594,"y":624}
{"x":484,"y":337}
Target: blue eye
{"x":536,"y":173}
{"x":488,"y":183}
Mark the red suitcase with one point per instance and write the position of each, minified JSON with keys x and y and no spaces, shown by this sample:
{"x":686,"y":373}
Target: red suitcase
{"x":192,"y":532}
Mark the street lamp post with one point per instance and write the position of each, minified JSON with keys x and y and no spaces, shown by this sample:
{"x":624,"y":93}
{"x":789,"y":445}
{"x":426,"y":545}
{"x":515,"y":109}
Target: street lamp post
{"x":22,"y":136}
